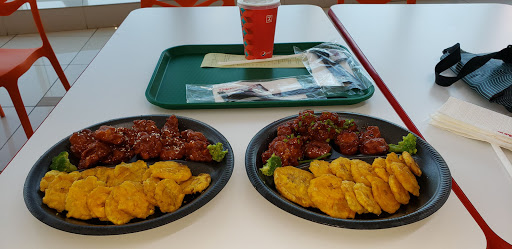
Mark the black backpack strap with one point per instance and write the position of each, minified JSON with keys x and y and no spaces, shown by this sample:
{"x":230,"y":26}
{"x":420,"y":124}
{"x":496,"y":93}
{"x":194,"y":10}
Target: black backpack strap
{"x":473,"y":64}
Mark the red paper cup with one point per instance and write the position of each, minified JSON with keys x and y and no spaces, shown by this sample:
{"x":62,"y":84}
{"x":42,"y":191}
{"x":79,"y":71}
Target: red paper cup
{"x":258,"y":19}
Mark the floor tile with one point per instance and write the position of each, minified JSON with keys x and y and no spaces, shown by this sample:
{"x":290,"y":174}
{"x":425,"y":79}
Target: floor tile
{"x":3,"y":29}
{"x":109,"y":31}
{"x":66,"y":48}
{"x":72,"y":73}
{"x":33,"y":86}
{"x":45,"y":4}
{"x":10,"y":123}
{"x":18,"y":139}
{"x":90,"y":50}
{"x":5,"y":39}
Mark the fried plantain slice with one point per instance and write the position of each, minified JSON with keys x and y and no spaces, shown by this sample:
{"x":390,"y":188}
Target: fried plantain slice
{"x":168,"y":195}
{"x":48,"y":178}
{"x":409,"y":161}
{"x":149,"y":187}
{"x":112,"y":211}
{"x":103,"y":174}
{"x":406,"y":178}
{"x":379,"y":167}
{"x":170,"y":170}
{"x":327,"y":195}
{"x":293,"y":184}
{"x":132,"y":200}
{"x":383,"y":195}
{"x":96,"y":202}
{"x":400,"y":193}
{"x":350,"y":196}
{"x":390,"y":158}
{"x":341,"y":168}
{"x":360,"y":171}
{"x":319,"y":167}
{"x":55,"y":194}
{"x":196,"y":184}
{"x":76,"y":199}
{"x":365,"y":198}
{"x":128,"y":172}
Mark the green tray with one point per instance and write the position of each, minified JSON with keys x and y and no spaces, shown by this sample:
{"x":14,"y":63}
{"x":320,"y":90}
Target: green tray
{"x":181,"y":65}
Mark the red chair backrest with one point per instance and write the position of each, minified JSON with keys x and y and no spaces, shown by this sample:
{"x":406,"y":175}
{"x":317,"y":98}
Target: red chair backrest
{"x":7,"y":8}
{"x":185,"y":3}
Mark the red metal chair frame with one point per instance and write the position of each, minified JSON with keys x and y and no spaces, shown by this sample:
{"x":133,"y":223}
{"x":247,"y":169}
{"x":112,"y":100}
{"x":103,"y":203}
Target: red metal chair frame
{"x":16,"y":62}
{"x":184,"y":3}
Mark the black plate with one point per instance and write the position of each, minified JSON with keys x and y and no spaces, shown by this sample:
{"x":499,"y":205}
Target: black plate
{"x":219,"y":172}
{"x":435,"y":182}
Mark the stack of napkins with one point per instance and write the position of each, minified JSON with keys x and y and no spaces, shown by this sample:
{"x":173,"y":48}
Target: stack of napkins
{"x":474,"y":122}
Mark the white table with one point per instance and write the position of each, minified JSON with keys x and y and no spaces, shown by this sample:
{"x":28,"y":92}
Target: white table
{"x":238,"y":217}
{"x":404,"y":43}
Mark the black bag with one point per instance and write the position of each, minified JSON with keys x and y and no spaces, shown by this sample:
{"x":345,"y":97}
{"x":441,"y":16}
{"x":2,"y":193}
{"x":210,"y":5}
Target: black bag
{"x":488,"y":74}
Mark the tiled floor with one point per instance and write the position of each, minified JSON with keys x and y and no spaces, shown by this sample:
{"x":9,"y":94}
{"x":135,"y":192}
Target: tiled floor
{"x":41,"y":89}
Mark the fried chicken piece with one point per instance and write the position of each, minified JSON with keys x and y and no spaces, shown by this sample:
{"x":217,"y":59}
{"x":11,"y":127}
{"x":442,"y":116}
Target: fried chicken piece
{"x":55,"y":194}
{"x":327,"y":195}
{"x":315,"y":149}
{"x":406,"y":178}
{"x":293,"y":184}
{"x":360,"y":171}
{"x":96,"y":202}
{"x":197,"y":151}
{"x":80,"y":141}
{"x":145,"y":125}
{"x":109,"y":134}
{"x":76,"y":199}
{"x":350,"y":196}
{"x":288,"y":149}
{"x":196,"y":184}
{"x":112,"y":211}
{"x":173,"y":149}
{"x":171,"y":127}
{"x":95,"y":152}
{"x":383,"y":195}
{"x":48,"y":178}
{"x":169,"y":170}
{"x":365,"y":198}
{"x":149,"y":187}
{"x":370,"y":132}
{"x":132,"y":200}
{"x":341,"y":168}
{"x":374,"y":146}
{"x":128,"y":172}
{"x":400,"y":193}
{"x":348,"y":142}
{"x":168,"y":195}
{"x":190,"y":135}
{"x":148,"y":145}
{"x":319,"y":167}
{"x":379,"y":167}
{"x":409,"y":161}
{"x":119,"y":153}
{"x":285,"y":129}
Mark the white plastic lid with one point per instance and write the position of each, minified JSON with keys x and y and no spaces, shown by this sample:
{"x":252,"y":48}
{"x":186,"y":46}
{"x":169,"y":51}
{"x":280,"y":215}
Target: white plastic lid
{"x":258,"y":3}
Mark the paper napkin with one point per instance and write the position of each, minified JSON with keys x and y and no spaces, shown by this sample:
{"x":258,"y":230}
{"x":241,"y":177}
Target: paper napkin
{"x":478,"y":123}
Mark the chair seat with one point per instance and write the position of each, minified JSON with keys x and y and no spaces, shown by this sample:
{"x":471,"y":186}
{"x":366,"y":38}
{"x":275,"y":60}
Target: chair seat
{"x":17,"y":59}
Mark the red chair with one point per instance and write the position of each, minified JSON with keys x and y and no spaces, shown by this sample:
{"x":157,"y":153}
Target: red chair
{"x":15,"y":62}
{"x":185,"y":3}
{"x":376,"y":1}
